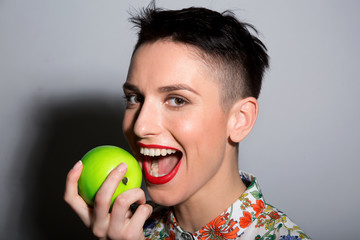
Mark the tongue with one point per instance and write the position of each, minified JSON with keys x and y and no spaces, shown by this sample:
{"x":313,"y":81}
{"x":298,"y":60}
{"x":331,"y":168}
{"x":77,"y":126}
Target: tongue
{"x":167,"y":163}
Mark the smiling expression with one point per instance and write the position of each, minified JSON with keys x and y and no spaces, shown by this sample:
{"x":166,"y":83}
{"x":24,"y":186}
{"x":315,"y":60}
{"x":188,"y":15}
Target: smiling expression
{"x":174,"y":122}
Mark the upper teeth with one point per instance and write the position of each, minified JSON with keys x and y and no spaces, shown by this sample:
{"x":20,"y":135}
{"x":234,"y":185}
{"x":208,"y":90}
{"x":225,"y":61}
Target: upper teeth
{"x":156,"y":151}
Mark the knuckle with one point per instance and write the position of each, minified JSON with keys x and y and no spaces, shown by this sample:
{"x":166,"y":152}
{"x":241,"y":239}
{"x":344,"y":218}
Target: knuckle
{"x":118,"y":234}
{"x":127,"y":235}
{"x":143,"y":209}
{"x":114,"y":235}
{"x":101,"y":200}
{"x":121,"y":202}
{"x":99,"y":232}
{"x":68,"y":198}
{"x":141,"y":192}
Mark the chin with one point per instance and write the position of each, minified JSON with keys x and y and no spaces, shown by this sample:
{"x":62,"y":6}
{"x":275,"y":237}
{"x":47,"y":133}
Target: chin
{"x":163,"y":198}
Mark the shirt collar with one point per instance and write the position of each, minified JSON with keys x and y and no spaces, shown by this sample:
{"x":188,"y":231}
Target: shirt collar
{"x":232,"y":222}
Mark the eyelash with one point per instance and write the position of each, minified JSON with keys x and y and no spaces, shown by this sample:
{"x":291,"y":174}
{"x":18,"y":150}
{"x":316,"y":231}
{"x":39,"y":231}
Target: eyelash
{"x":172,"y":101}
{"x":133,"y":99}
{"x":129,"y":99}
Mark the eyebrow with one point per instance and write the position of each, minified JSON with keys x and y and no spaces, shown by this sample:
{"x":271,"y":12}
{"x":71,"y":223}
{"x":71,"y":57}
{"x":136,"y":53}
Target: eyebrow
{"x":177,"y":87}
{"x":130,"y":87}
{"x":170,"y":88}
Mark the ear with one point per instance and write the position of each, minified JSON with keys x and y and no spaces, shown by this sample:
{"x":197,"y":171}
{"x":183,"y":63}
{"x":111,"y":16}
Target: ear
{"x":242,"y":118}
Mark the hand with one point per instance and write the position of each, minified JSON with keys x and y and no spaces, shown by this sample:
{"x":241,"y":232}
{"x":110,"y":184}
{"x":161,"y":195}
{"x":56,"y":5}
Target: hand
{"x":121,"y":223}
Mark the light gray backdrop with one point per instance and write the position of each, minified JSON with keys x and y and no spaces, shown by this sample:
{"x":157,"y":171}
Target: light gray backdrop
{"x":62,"y":65}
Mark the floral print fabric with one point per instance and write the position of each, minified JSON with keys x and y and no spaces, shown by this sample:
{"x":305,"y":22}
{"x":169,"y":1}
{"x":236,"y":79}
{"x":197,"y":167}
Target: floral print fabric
{"x":249,"y":217}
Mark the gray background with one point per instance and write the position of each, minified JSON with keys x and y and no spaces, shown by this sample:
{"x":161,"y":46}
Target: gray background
{"x":62,"y":65}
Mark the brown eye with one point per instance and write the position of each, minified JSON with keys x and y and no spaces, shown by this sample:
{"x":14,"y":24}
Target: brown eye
{"x":134,"y":99}
{"x":177,"y":101}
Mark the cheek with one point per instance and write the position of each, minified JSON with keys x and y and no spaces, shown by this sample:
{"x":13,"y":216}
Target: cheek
{"x":200,"y":131}
{"x":128,"y":123}
{"x":187,"y":129}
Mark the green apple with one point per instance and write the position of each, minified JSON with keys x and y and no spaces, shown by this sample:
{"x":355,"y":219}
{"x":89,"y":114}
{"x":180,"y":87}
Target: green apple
{"x":98,"y":163}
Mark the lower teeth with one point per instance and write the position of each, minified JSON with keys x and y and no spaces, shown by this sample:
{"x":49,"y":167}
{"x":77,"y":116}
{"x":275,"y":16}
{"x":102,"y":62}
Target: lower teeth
{"x":155,"y":169}
{"x":156,"y":174}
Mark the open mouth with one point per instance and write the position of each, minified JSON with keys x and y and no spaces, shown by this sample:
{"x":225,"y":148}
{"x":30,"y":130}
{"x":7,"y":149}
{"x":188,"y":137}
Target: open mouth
{"x":160,"y":163}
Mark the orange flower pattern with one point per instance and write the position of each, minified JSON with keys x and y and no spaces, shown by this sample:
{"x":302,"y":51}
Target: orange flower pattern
{"x":249,"y":217}
{"x":246,"y":220}
{"x":258,"y":207}
{"x":218,"y":229}
{"x":171,"y":237}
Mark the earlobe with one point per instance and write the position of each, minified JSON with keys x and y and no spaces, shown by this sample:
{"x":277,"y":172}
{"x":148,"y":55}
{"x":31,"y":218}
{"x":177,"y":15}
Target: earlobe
{"x":242,"y":118}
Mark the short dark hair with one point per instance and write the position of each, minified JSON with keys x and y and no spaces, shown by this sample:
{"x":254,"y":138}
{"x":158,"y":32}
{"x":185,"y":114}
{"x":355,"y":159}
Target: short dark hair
{"x":224,"y":42}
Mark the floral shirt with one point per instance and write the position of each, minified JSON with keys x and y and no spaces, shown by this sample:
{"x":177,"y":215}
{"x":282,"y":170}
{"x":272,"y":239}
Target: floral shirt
{"x":249,"y":217}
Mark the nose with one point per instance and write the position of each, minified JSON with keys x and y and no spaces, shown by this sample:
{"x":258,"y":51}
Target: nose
{"x":148,"y":121}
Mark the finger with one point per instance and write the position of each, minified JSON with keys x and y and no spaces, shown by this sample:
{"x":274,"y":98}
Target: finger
{"x":121,"y":208}
{"x":121,"y":216}
{"x":138,"y":219}
{"x":72,"y":197}
{"x":103,"y":198}
{"x":132,"y":228}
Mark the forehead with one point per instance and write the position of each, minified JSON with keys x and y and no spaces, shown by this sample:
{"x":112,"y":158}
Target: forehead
{"x":171,"y":61}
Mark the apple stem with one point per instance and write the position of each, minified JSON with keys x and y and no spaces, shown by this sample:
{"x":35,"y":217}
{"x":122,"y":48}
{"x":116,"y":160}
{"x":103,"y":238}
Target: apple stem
{"x":125,"y":180}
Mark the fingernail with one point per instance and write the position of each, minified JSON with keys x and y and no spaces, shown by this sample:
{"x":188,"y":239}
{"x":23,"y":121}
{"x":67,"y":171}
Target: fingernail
{"x":77,"y":165}
{"x":122,"y":167}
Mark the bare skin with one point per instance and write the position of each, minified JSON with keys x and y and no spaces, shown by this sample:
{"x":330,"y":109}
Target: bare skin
{"x":173,"y":101}
{"x":120,"y":223}
{"x":192,"y":119}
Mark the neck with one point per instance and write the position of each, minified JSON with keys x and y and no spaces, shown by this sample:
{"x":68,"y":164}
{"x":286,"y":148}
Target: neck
{"x":213,"y":199}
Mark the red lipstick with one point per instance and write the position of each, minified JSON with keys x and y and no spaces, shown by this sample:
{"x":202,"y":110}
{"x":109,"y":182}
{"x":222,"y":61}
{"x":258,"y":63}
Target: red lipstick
{"x":156,"y":146}
{"x":162,"y":179}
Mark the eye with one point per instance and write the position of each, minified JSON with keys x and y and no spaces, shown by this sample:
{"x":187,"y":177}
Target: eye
{"x":176,"y":101}
{"x":133,"y":99}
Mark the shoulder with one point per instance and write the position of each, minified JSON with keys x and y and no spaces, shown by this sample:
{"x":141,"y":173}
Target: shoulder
{"x":273,"y":222}
{"x":260,"y":219}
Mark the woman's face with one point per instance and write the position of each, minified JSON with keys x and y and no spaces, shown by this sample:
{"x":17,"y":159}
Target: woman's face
{"x":174,"y":121}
